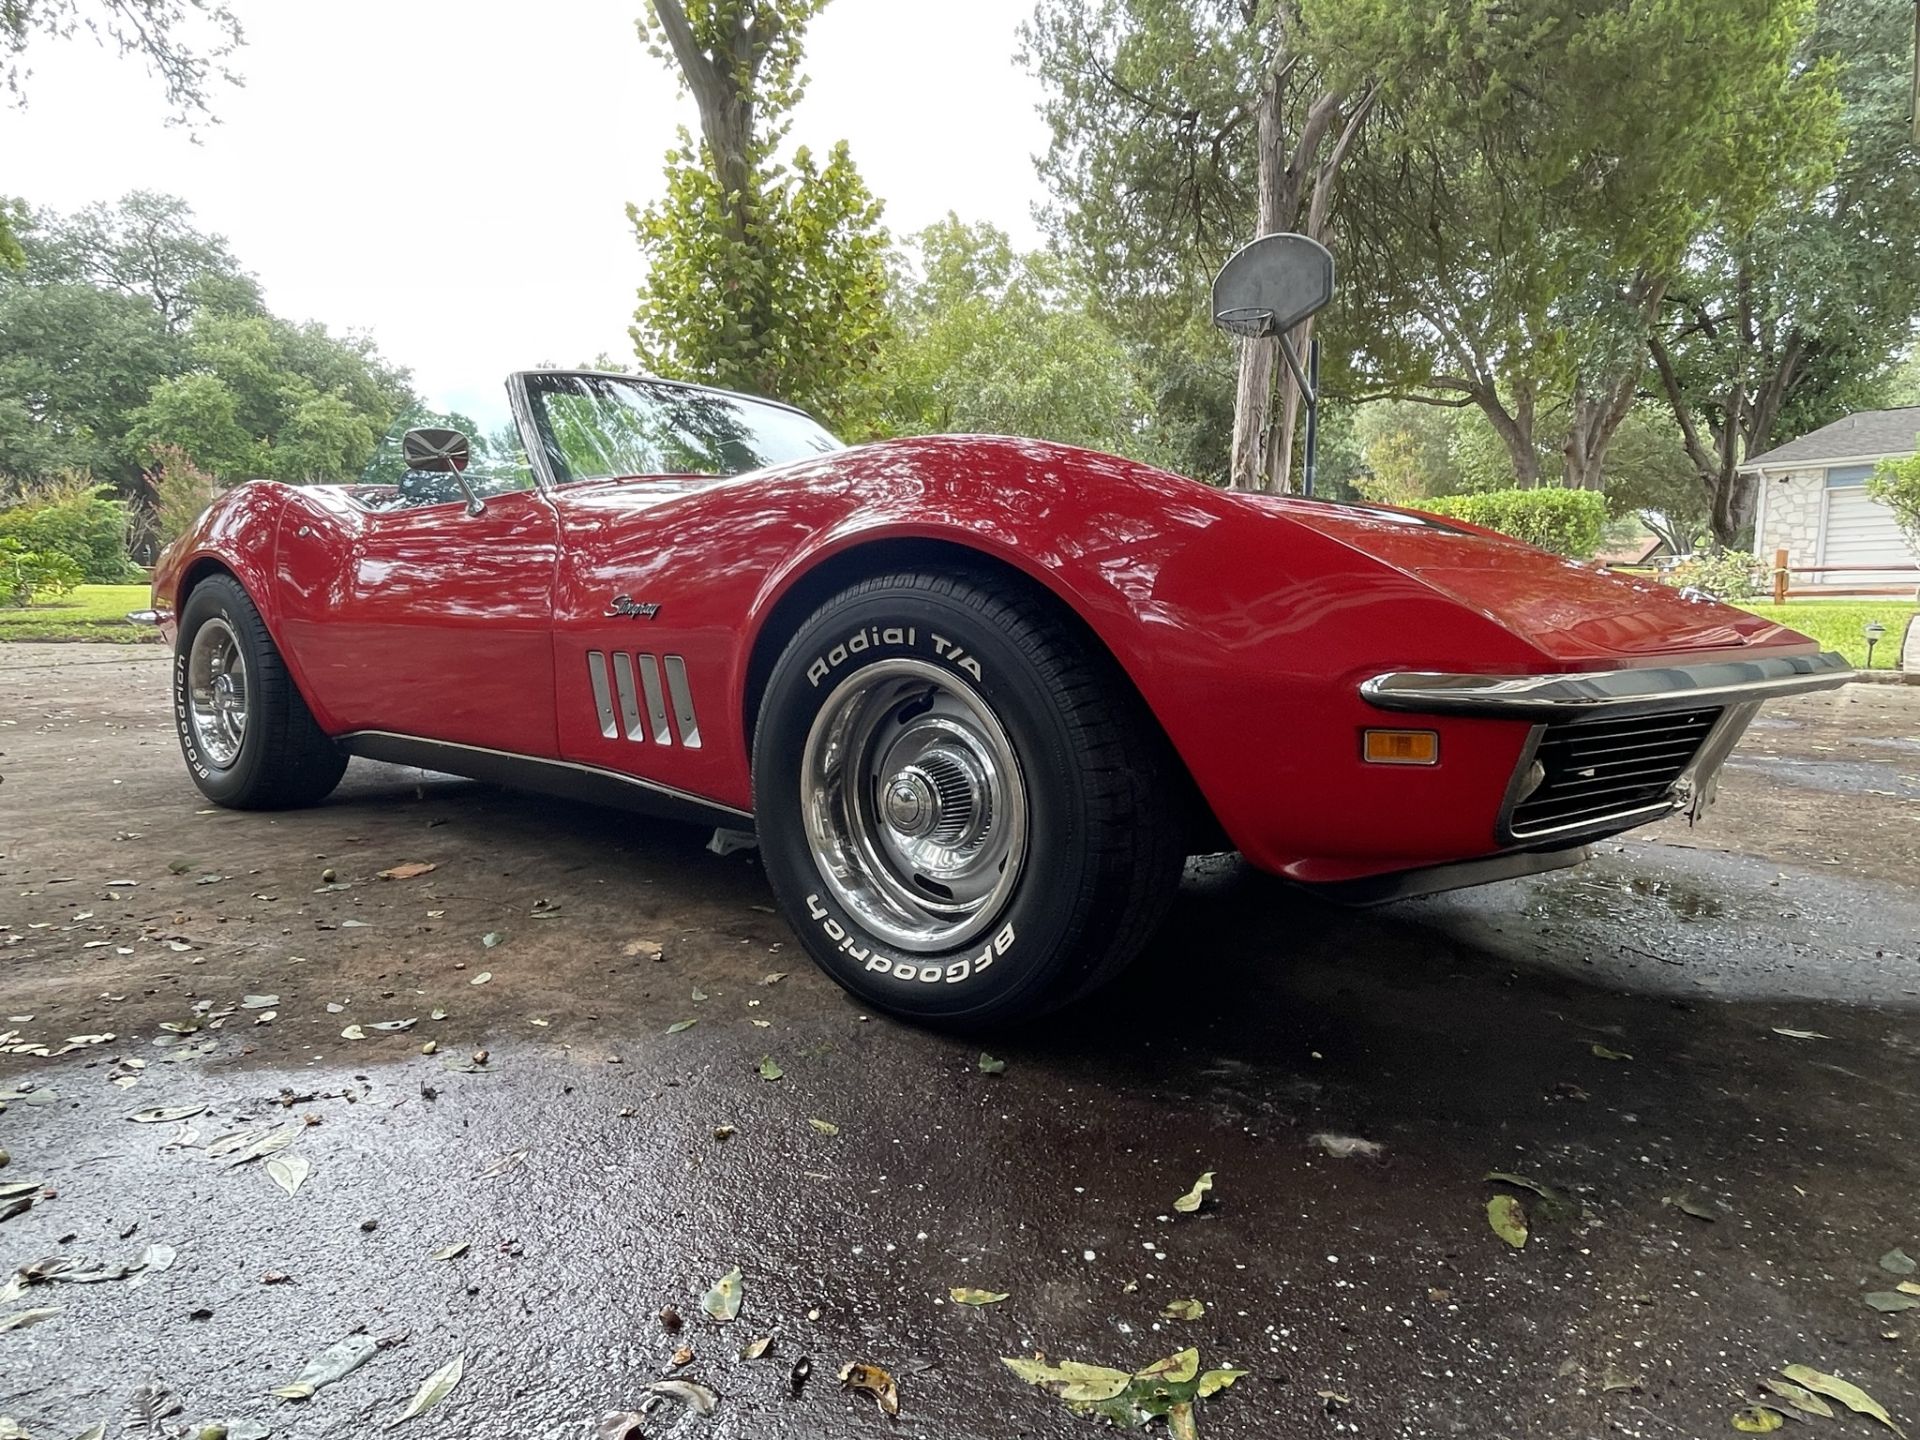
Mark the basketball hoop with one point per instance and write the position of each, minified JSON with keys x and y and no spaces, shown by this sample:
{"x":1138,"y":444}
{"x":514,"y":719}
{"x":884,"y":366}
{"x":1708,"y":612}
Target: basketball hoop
{"x":1249,"y":322}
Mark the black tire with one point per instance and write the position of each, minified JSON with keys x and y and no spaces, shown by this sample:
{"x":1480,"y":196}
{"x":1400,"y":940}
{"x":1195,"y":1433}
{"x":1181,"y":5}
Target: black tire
{"x":1103,"y":843}
{"x":282,"y":758}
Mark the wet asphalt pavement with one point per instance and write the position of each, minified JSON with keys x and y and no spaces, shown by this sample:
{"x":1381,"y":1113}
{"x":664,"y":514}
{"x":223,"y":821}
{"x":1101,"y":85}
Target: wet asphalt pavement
{"x":600,"y":1169}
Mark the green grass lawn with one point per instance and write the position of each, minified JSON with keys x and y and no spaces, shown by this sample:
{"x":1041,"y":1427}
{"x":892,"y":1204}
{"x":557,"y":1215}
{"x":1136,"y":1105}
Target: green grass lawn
{"x":1837,"y":625}
{"x":91,"y":612}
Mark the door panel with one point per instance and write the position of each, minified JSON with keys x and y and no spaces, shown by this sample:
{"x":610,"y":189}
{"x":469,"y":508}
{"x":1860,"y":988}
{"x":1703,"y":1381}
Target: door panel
{"x":431,"y":622}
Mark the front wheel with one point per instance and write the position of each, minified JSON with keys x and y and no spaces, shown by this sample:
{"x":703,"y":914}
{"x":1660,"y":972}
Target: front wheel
{"x":962,"y":805}
{"x":249,"y":740}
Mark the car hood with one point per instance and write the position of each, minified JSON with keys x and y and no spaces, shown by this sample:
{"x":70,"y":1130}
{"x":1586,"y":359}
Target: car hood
{"x":1573,"y":612}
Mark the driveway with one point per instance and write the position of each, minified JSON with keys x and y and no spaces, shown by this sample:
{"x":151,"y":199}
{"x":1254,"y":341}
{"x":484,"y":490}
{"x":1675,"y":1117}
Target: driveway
{"x":1704,"y":1044}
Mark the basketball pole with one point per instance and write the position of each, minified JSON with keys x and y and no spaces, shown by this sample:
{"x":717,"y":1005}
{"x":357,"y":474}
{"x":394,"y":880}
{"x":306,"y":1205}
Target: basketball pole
{"x":1313,"y":413}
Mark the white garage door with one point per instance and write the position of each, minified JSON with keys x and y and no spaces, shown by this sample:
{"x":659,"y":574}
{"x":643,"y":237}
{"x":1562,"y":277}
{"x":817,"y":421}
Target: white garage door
{"x":1861,"y":531}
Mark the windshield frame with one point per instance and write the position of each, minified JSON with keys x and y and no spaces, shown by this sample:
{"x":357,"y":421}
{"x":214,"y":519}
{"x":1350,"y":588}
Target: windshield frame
{"x":520,"y":387}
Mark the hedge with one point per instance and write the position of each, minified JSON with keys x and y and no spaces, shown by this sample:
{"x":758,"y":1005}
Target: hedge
{"x":1567,"y":522}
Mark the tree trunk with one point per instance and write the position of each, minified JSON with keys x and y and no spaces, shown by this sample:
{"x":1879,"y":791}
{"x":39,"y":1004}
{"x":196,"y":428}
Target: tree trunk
{"x":1251,"y":461}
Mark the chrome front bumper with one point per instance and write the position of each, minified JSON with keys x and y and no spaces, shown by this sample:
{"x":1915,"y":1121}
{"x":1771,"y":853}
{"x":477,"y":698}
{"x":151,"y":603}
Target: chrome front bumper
{"x":1561,"y":707}
{"x":1606,"y":692}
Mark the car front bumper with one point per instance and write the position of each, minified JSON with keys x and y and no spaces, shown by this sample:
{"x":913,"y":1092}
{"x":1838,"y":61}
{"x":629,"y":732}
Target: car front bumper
{"x":1614,"y":749}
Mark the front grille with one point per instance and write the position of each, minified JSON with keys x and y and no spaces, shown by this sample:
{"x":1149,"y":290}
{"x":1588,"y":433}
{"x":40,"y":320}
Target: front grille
{"x":1597,"y":770}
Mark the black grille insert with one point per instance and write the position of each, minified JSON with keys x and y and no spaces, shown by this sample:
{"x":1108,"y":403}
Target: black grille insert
{"x":1597,"y":770}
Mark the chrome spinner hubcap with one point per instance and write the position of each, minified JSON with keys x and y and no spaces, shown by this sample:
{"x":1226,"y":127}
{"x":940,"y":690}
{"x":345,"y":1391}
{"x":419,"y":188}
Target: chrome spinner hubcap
{"x":914,"y":805}
{"x":217,"y":693}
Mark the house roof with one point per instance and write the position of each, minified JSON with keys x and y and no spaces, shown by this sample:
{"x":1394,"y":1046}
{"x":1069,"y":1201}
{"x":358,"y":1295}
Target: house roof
{"x":1870,"y":435}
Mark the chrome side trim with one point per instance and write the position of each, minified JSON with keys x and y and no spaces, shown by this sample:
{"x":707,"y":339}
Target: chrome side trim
{"x":623,"y":686}
{"x":1614,"y":692}
{"x":144,"y":617}
{"x":602,"y":697}
{"x":682,"y":702}
{"x":656,"y":705}
{"x":532,"y":772}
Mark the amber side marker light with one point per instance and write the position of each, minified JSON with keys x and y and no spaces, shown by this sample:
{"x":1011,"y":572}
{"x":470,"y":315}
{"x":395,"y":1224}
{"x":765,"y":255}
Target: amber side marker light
{"x":1400,"y":747}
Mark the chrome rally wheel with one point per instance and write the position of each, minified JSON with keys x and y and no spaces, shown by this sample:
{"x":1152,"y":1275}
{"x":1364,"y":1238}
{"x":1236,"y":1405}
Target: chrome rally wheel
{"x":914,"y":806}
{"x":964,"y":809}
{"x":217,"y":693}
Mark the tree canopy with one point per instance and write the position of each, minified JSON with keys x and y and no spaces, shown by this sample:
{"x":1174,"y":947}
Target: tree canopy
{"x":764,"y":274}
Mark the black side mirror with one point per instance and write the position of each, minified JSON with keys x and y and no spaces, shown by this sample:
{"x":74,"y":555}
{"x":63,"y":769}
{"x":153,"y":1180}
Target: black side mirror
{"x":435,"y":450}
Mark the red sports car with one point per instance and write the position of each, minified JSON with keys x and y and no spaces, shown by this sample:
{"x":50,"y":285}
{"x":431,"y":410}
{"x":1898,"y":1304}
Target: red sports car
{"x":978,"y":697}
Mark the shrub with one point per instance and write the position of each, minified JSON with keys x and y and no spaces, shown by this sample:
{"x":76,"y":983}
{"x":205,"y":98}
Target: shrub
{"x":181,"y":490}
{"x":1730,"y":575}
{"x":1567,"y":522}
{"x":1896,"y":484}
{"x":76,"y":518}
{"x":27,"y":575}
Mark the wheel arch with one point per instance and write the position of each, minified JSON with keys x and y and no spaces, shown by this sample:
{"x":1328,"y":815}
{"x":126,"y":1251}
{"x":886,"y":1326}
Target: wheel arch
{"x":807,"y":591}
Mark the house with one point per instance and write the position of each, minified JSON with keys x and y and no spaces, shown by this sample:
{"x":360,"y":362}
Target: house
{"x":1642,"y":552}
{"x":1814,"y":505}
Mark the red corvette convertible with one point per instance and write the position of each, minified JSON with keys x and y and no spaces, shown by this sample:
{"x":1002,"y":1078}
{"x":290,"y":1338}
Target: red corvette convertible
{"x":978,"y":697}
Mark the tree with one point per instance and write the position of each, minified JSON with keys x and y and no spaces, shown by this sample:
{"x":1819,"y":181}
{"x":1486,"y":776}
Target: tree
{"x":1539,"y":171}
{"x":762,"y":276}
{"x":147,"y":245}
{"x":1896,"y":484}
{"x":1779,"y":326}
{"x":183,"y":43}
{"x":1180,"y":131}
{"x":987,"y":341}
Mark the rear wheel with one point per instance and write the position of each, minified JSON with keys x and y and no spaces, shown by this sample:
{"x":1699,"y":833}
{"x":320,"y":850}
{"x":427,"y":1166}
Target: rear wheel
{"x":249,"y":740}
{"x":962,"y":805}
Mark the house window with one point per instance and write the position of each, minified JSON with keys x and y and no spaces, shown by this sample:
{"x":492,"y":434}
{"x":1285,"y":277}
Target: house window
{"x":1840,"y":476}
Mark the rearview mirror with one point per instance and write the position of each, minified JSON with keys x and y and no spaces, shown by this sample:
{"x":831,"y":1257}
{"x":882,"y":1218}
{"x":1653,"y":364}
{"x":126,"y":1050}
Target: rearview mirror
{"x":436,"y":450}
{"x":431,"y":448}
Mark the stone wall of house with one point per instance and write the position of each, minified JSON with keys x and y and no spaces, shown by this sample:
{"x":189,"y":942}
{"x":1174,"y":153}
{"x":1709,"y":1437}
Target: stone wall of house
{"x":1792,"y":517}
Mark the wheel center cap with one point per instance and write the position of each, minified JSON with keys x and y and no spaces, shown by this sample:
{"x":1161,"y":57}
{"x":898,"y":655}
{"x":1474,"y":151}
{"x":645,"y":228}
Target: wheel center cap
{"x":223,"y":688}
{"x":911,"y":806}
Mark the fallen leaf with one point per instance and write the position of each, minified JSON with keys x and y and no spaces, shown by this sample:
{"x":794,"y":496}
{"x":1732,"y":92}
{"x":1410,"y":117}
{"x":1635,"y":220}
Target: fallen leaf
{"x":1799,"y":1398}
{"x":492,"y":938}
{"x":1347,"y":1147}
{"x":1180,"y":1366}
{"x":1897,"y":1262}
{"x":482,"y":978}
{"x":1758,"y":1420}
{"x":1847,"y":1393}
{"x":1800,"y":1034}
{"x":722,"y":1302}
{"x":1070,"y":1380}
{"x":289,"y":1172}
{"x":505,"y":1163}
{"x":677,"y":1026}
{"x":774,"y":978}
{"x":1606,"y":1054}
{"x":1183,"y":1310}
{"x":1891,"y":1302}
{"x":166,"y":1114}
{"x":394,"y":1026}
{"x":769,"y":1070}
{"x":756,"y":1348}
{"x":22,"y":1319}
{"x":1684,"y":1202}
{"x":875,"y":1382}
{"x":1505,"y":1177}
{"x":1190,"y":1202}
{"x":342,"y":1357}
{"x":1908,"y":1287}
{"x":412,"y":870}
{"x":266,"y":1144}
{"x":990,"y":1066}
{"x":259,"y":1002}
{"x":682,"y":1356}
{"x":1508,"y":1217}
{"x":825,"y":1127}
{"x":619,"y":1425}
{"x":451,"y":1252}
{"x":699,"y":1399}
{"x":961,"y":1295}
{"x":1180,"y":1422}
{"x":353,"y":1032}
{"x":435,"y":1388}
{"x":642,"y":950}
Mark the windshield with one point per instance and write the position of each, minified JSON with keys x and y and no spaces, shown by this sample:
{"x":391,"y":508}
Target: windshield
{"x":605,"y":426}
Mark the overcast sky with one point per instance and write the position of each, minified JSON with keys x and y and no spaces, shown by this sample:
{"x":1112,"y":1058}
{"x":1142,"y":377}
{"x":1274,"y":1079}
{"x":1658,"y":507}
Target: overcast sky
{"x":453,"y":176}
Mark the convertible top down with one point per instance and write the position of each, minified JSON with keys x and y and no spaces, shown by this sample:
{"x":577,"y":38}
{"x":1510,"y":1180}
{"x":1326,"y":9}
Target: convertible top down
{"x":978,"y":696}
